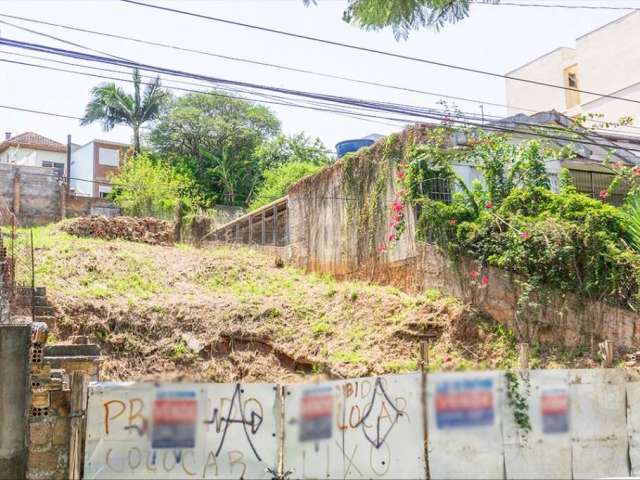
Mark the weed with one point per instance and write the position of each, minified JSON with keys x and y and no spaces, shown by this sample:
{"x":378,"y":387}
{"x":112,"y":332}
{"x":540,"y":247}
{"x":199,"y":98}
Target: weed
{"x":432,"y":295}
{"x":179,"y":349}
{"x":347,"y":357}
{"x":321,"y":328}
{"x":401,"y":366}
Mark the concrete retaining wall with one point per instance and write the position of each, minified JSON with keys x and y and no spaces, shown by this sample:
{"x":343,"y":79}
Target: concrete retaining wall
{"x":324,"y":237}
{"x":15,"y":341}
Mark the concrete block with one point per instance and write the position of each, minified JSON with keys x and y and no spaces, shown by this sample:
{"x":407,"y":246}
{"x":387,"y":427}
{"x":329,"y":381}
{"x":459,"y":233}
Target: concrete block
{"x":40,"y":433}
{"x":61,"y":432}
{"x":45,"y":461}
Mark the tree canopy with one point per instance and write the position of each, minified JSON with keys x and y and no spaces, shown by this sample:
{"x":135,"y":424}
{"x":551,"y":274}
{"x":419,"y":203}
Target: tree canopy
{"x":403,"y":16}
{"x":213,"y":136}
{"x":112,"y":105}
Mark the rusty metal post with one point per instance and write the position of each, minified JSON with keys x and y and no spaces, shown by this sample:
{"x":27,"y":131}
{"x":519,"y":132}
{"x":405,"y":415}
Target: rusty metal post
{"x":424,"y":368}
{"x":33,"y":280}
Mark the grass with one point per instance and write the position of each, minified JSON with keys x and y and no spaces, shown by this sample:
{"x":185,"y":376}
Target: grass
{"x":138,"y":301}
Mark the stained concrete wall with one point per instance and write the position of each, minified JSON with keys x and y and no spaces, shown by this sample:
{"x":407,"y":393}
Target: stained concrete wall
{"x":35,"y":195}
{"x":15,"y":341}
{"x":325,"y":237}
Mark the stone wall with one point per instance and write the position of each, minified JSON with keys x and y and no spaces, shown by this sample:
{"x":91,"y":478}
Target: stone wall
{"x":325,"y":238}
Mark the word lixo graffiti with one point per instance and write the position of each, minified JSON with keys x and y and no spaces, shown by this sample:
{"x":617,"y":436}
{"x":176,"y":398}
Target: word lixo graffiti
{"x":583,"y":423}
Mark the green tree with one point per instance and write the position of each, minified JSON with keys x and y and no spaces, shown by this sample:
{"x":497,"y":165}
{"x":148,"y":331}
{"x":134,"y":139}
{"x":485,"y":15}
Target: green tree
{"x":147,"y":186}
{"x":278,"y":179}
{"x":214,"y":136}
{"x":294,"y":148}
{"x":112,"y":105}
{"x":404,"y":15}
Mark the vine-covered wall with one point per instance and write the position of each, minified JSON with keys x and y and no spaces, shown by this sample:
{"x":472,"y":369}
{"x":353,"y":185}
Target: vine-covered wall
{"x":352,"y":220}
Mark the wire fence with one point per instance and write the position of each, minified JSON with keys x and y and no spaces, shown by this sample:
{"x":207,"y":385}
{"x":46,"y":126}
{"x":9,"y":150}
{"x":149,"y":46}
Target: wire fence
{"x":17,"y":267}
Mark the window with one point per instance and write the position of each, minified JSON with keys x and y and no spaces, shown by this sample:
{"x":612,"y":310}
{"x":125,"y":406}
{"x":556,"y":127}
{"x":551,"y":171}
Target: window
{"x":109,"y":157}
{"x":59,"y":167}
{"x":572,"y":98}
{"x":103,"y":191}
{"x":592,"y":183}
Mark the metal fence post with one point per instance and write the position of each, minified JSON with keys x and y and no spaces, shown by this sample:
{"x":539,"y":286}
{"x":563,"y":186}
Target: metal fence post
{"x":33,"y":280}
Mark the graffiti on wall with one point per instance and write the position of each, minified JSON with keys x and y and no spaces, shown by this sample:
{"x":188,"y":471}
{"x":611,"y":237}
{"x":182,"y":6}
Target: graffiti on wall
{"x":362,"y":428}
{"x":181,"y":431}
{"x":582,"y":423}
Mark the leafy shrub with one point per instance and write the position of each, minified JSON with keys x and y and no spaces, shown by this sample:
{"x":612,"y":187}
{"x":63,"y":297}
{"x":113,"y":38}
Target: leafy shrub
{"x":146,"y":186}
{"x":277,"y":181}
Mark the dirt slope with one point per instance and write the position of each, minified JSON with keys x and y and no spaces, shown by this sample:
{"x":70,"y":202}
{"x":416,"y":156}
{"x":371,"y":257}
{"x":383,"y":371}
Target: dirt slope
{"x":229,"y":313}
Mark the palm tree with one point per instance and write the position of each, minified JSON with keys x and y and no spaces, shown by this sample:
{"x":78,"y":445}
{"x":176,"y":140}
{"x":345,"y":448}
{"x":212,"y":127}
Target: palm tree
{"x":112,"y":105}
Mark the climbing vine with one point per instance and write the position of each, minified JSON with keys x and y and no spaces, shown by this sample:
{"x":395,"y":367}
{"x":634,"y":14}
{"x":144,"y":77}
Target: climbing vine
{"x":517,"y":402}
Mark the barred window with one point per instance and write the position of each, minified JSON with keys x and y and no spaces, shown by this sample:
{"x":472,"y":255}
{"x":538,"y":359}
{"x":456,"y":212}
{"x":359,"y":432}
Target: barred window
{"x":592,"y":183}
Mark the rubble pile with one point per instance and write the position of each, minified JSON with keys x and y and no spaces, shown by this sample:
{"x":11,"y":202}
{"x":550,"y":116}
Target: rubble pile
{"x":147,"y":230}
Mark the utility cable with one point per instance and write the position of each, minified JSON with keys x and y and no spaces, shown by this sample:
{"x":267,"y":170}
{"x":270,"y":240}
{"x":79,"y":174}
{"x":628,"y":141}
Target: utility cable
{"x":376,"y":51}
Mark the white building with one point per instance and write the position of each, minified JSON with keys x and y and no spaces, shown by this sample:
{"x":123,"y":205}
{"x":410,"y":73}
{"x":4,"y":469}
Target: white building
{"x":93,"y":164}
{"x":35,"y":150}
{"x":605,"y":61}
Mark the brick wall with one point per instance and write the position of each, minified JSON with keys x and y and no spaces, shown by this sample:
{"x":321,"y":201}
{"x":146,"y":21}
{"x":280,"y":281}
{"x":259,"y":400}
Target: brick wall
{"x":48,"y":436}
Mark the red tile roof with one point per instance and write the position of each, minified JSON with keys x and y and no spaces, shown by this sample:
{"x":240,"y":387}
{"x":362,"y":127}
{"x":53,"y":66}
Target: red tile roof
{"x":34,"y":141}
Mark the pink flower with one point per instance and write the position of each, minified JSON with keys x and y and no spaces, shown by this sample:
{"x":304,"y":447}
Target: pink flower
{"x":603,"y":194}
{"x":400,"y":174}
{"x":488,"y":205}
{"x":397,"y":206}
{"x":473,"y":274}
{"x":381,"y":247}
{"x":636,"y":170}
{"x":392,"y":237}
{"x":397,"y":218}
{"x":453,"y":221}
{"x":525,"y":235}
{"x":392,"y":224}
{"x":484,"y":280}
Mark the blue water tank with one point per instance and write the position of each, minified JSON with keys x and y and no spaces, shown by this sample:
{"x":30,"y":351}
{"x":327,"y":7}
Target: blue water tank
{"x":348,"y":146}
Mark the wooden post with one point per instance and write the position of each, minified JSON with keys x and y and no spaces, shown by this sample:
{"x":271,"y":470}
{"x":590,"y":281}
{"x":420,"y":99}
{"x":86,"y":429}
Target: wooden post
{"x":606,"y":349}
{"x":523,"y":356}
{"x":16,"y":194}
{"x":79,"y":382}
{"x":424,"y":368}
{"x":263,"y":226}
{"x":238,"y":232}
{"x":274,"y":225}
{"x":250,"y":230}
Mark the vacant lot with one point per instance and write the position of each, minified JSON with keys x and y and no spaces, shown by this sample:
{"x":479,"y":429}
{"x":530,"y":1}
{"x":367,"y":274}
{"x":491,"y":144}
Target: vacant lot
{"x":229,"y":313}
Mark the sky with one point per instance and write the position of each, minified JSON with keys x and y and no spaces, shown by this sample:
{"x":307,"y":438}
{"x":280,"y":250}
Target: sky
{"x":493,"y":38}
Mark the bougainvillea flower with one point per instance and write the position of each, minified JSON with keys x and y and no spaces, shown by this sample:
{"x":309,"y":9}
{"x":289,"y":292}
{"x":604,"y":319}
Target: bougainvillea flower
{"x":636,"y":170}
{"x":400,"y":174}
{"x":392,"y":237}
{"x":473,"y":274}
{"x":392,"y":224}
{"x":603,"y":194}
{"x":397,"y":218}
{"x":381,"y":247}
{"x":397,"y":206}
{"x":488,"y":205}
{"x":525,"y":235}
{"x":484,"y":280}
{"x":453,"y":221}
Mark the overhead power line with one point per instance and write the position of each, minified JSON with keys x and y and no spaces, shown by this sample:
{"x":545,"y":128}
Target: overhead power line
{"x":244,"y":60}
{"x":263,"y":64}
{"x":376,"y":51}
{"x":555,"y":5}
{"x":351,"y":102}
{"x":39,"y":112}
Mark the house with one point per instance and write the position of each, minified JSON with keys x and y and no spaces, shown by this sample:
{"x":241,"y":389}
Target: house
{"x":35,"y":150}
{"x":92,"y":164}
{"x":605,"y":61}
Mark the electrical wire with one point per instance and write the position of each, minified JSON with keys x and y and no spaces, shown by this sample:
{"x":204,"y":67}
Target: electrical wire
{"x":271,"y":65}
{"x":551,"y":5}
{"x":376,"y":51}
{"x":379,"y":106}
